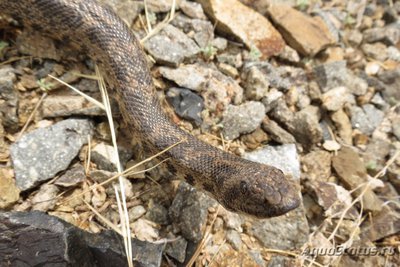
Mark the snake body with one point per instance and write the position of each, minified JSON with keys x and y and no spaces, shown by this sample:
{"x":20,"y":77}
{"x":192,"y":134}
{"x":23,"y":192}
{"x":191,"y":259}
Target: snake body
{"x":238,"y":184}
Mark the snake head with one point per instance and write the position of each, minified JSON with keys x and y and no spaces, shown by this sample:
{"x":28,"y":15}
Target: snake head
{"x":263,"y":193}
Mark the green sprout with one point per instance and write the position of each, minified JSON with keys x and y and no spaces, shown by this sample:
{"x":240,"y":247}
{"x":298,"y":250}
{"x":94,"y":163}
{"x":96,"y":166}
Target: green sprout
{"x":44,"y":85}
{"x":209,"y":51}
{"x":255,"y":54}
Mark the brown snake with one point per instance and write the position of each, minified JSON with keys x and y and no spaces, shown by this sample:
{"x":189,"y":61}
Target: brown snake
{"x":238,"y":184}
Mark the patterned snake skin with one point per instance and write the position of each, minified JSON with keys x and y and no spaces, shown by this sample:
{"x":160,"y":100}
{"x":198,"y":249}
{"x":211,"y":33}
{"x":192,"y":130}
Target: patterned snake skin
{"x":238,"y":184}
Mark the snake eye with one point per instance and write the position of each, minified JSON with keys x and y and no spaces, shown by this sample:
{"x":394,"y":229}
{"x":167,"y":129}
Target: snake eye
{"x":243,"y":187}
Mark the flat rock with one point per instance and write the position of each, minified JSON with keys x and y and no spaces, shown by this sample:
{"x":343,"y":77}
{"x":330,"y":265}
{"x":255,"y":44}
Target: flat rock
{"x":23,"y":234}
{"x":276,"y":132}
{"x":9,"y":192}
{"x":72,"y":177}
{"x":189,"y":211}
{"x":352,"y":172}
{"x":42,"y":153}
{"x":187,"y":105}
{"x":232,"y":18}
{"x":217,"y":89}
{"x":171,"y":46}
{"x":317,"y":165}
{"x":312,"y":36}
{"x":68,"y":105}
{"x":284,"y":157}
{"x":366,"y":118}
{"x":242,"y":119}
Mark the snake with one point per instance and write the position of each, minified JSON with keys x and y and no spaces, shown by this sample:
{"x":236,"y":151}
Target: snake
{"x":240,"y":185}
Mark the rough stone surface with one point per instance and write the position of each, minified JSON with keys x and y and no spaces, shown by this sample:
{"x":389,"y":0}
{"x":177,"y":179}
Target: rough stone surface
{"x":276,"y":132}
{"x":318,"y":165}
{"x":171,"y":46}
{"x":235,"y":19}
{"x":310,"y":38}
{"x":366,"y":118}
{"x":8,"y":108}
{"x":9,"y":192}
{"x":177,"y":249}
{"x":25,"y":234}
{"x":68,"y":105}
{"x":242,"y":119}
{"x":283,"y":157}
{"x":217,"y":89}
{"x":187,"y":104}
{"x":105,"y":158}
{"x":306,"y":127}
{"x":42,"y":153}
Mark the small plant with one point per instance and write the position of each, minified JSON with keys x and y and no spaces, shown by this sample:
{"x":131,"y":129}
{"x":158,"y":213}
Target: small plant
{"x":255,"y":54}
{"x":349,"y":20}
{"x":44,"y":85}
{"x":209,"y":51}
{"x":302,"y":4}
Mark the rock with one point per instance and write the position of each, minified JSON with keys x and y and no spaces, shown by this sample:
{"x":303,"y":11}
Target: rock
{"x":55,"y":105}
{"x":277,"y":77}
{"x":104,"y":156}
{"x":25,"y":234}
{"x":334,"y":199}
{"x":354,"y":37}
{"x":158,"y":6}
{"x":242,"y":119}
{"x":289,"y":54}
{"x":396,"y":127}
{"x":343,"y":126}
{"x":283,"y":157}
{"x":389,"y":35}
{"x":393,"y":53}
{"x":136,"y":212}
{"x":177,"y":249}
{"x":232,"y":18}
{"x":310,"y":38}
{"x":282,"y":114}
{"x":376,"y":153}
{"x":8,"y":108}
{"x":216,"y":89}
{"x":126,"y":10}
{"x":352,"y":173}
{"x":317,"y":165}
{"x":192,"y":9}
{"x":377,"y":51}
{"x":72,"y":176}
{"x":220,"y":43}
{"x":255,"y":139}
{"x":202,"y":31}
{"x":366,"y":118}
{"x":42,"y":153}
{"x":189,"y":212}
{"x":285,"y":232}
{"x":187,"y":104}
{"x":256,"y":84}
{"x":228,"y":70}
{"x":335,"y":98}
{"x":234,"y":239}
{"x":276,"y":132}
{"x":145,"y":230}
{"x":45,"y":199}
{"x":158,"y":214}
{"x":384,"y":224}
{"x":270,"y":101}
{"x":306,"y":127}
{"x":171,"y":46}
{"x":35,"y":44}
{"x":391,"y":83}
{"x":9,"y":192}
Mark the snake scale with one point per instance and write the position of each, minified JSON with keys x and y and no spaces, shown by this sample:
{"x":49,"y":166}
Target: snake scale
{"x":239,"y":185}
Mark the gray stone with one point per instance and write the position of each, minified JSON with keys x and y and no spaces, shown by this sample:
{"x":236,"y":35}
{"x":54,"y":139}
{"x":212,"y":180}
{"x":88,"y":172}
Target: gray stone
{"x":307,"y":129}
{"x":189,"y":211}
{"x":335,"y":98}
{"x":126,"y":9}
{"x":136,"y":212}
{"x":257,"y":257}
{"x":104,"y":156}
{"x":396,"y":126}
{"x":8,"y":108}
{"x":177,"y":249}
{"x":354,"y":37}
{"x":220,"y":43}
{"x":233,"y":238}
{"x":366,"y":118}
{"x":276,"y":76}
{"x":393,"y":53}
{"x":256,"y":84}
{"x":192,"y":9}
{"x":50,"y":239}
{"x":72,"y":176}
{"x":66,"y":105}
{"x":284,"y":157}
{"x":202,"y":30}
{"x":217,"y":89}
{"x":171,"y":46}
{"x":391,"y":85}
{"x":377,"y":51}
{"x":42,"y":153}
{"x":282,"y":114}
{"x":389,"y":35}
{"x":277,"y":133}
{"x":270,"y":101}
{"x":158,"y":214}
{"x":187,"y":104}
{"x":242,"y":119}
{"x":158,"y":6}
